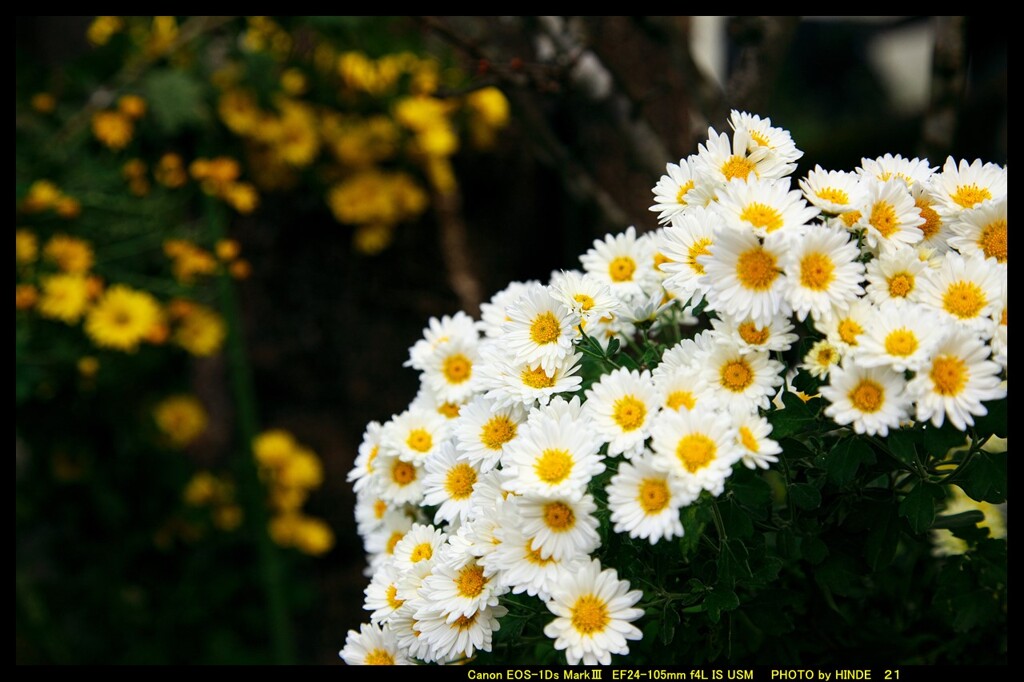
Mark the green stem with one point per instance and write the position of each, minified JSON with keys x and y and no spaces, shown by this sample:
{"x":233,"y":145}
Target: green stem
{"x":254,"y":495}
{"x":719,"y":523}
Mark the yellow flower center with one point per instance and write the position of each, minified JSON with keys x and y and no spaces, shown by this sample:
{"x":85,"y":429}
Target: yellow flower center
{"x":762,"y":216}
{"x":533,"y":555}
{"x":901,"y":284}
{"x":471,"y":581}
{"x":379,"y":507}
{"x":833,"y":195}
{"x":816,"y":271}
{"x":1002,"y":318}
{"x":379,"y":657}
{"x":759,"y":138}
{"x":536,"y":378}
{"x":748,"y":440}
{"x":403,"y":473}
{"x":621,"y":269}
{"x":659,"y":260}
{"x":457,"y":368}
{"x":949,"y":374}
{"x":460,"y":481}
{"x":756,"y":269}
{"x":421,"y":552}
{"x":371,"y":457}
{"x":901,"y":342}
{"x":993,"y":240}
{"x":850,"y":218}
{"x":653,"y":495}
{"x":969,"y":195}
{"x":696,"y":451}
{"x":553,"y":466}
{"x":753,"y":334}
{"x":464,"y":622}
{"x":736,"y":375}
{"x":559,"y":517}
{"x":497,"y":431}
{"x":391,"y":594}
{"x":826,"y":356}
{"x":698,"y":248}
{"x":419,"y":440}
{"x":883,"y":218}
{"x":738,"y":167}
{"x":629,"y":413}
{"x":683,"y":189}
{"x":964,"y":299}
{"x":585,"y":301}
{"x":392,"y":541}
{"x":678,"y":399}
{"x":449,"y":410}
{"x":545,"y":328}
{"x":590,"y":615}
{"x":849,"y":329}
{"x":932,"y":220}
{"x":867,"y":396}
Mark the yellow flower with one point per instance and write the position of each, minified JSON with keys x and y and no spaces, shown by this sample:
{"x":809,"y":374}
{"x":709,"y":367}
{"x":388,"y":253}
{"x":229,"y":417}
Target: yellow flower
{"x":301,"y":470}
{"x":68,"y":207}
{"x":372,"y":238}
{"x":65,"y":297}
{"x":202,"y":489}
{"x":170,"y":171}
{"x":228,"y":517}
{"x":70,"y":254}
{"x":238,"y":111}
{"x":102,"y":29}
{"x":422,"y":113}
{"x":26,"y":246}
{"x":490,"y":106}
{"x":242,"y":196}
{"x":132,"y":106}
{"x":293,"y":81}
{"x":122,"y":318}
{"x":162,"y":35}
{"x":306,"y":534}
{"x":181,"y":418}
{"x":41,"y":195}
{"x":227,"y":249}
{"x":296,"y":140}
{"x":25,"y":296}
{"x":240,"y":269}
{"x":201,"y":332}
{"x":188,"y":260}
{"x":113,"y":129}
{"x":134,"y":171}
{"x":273,"y":448}
{"x":88,"y":366}
{"x":44,"y":102}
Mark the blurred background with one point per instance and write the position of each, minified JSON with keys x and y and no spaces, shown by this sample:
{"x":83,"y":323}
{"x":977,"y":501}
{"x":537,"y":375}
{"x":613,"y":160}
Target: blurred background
{"x":230,"y":230}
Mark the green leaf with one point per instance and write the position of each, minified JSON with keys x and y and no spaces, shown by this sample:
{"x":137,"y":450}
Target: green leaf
{"x":901,"y":444}
{"x":694,"y":519}
{"x":804,"y":381}
{"x":995,"y":421}
{"x":918,"y":507}
{"x":845,"y":459}
{"x":937,"y":442}
{"x":804,"y":496}
{"x":175,"y":100}
{"x":883,"y":538}
{"x":984,"y":477}
{"x":719,"y":600}
{"x":669,"y":621}
{"x":750,"y":488}
{"x":736,"y":521}
{"x":733,"y":562}
{"x":967,"y":518}
{"x":613,"y":346}
{"x":788,"y":543}
{"x":795,"y":418}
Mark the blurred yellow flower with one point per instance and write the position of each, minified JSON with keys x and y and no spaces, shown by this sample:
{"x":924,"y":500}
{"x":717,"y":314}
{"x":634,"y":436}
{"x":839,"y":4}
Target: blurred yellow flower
{"x":102,"y":29}
{"x":25,"y":296}
{"x":189,"y":261}
{"x":68,"y":207}
{"x":65,"y":297}
{"x":372,"y":238}
{"x":26,"y":246}
{"x":44,"y":102}
{"x":113,"y":129}
{"x":202,"y":489}
{"x":242,"y":196}
{"x":170,"y":171}
{"x":201,"y":332}
{"x":122,"y":318}
{"x":228,"y":517}
{"x":273,"y":447}
{"x":181,"y":418}
{"x":41,"y":195}
{"x":301,"y":470}
{"x":88,"y":366}
{"x":132,"y":106}
{"x":70,"y":254}
{"x":307,"y":534}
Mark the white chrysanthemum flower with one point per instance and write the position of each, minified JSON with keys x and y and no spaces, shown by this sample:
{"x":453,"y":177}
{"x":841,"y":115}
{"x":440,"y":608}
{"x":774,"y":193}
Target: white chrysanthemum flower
{"x":399,"y":481}
{"x":621,"y":261}
{"x":999,"y":336}
{"x":731,"y":377}
{"x":585,"y":295}
{"x":427,"y":399}
{"x":697,"y":448}
{"x":415,"y":552}
{"x":521,"y":568}
{"x":563,"y":528}
{"x":594,"y":613}
{"x":894,"y":276}
{"x":752,"y":337}
{"x":554,"y":456}
{"x":723,"y":160}
{"x":622,"y":406}
{"x":679,"y":390}
{"x":744,"y":277}
{"x":763,"y":207}
{"x":832,"y":191}
{"x":406,"y":629}
{"x":540,"y":330}
{"x":363,"y":469}
{"x":873,"y":399}
{"x":958,"y":378}
{"x":981,"y":231}
{"x":461,"y":638}
{"x":688,"y":354}
{"x":962,"y":186}
{"x":912,"y":172}
{"x":457,"y":586}
{"x":373,"y":645}
{"x":889,"y":217}
{"x":935,"y":228}
{"x":484,"y":431}
{"x":457,"y":326}
{"x":415,"y":434}
{"x":821,"y":358}
{"x":558,"y":409}
{"x":822,"y":272}
{"x":511,"y":383}
{"x":844,"y":329}
{"x":449,"y":483}
{"x":382,"y":593}
{"x":677,"y":191}
{"x":901,"y":336}
{"x":492,"y":313}
{"x":761,"y":134}
{"x":964,"y":290}
{"x":689,"y":237}
{"x":393,"y":524}
{"x":645,"y":502}
{"x":449,"y":370}
{"x":370,"y":509}
{"x":752,"y":430}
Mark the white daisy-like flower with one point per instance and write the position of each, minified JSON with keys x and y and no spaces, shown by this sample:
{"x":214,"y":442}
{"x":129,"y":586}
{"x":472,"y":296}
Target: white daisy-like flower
{"x":382,"y":593}
{"x":373,"y":645}
{"x":894,"y":276}
{"x":492,"y":314}
{"x":623,"y":405}
{"x":956,"y":381}
{"x":901,"y":336}
{"x":457,"y":586}
{"x":559,"y":408}
{"x":399,"y":482}
{"x":370,"y":510}
{"x":821,"y":358}
{"x":752,"y":431}
{"x":406,"y":629}
{"x":845,"y":328}
{"x":415,"y":434}
{"x":554,"y":456}
{"x":965,"y":291}
{"x":697,"y":448}
{"x":393,"y":525}
{"x":723,"y":160}
{"x":744,"y":276}
{"x":689,"y":237}
{"x":521,"y":568}
{"x":961,"y":185}
{"x":484,"y":431}
{"x":761,"y":134}
{"x":594,"y":614}
{"x":889,"y":217}
{"x":512,"y":383}
{"x":672,"y":193}
{"x":461,"y":638}
{"x":752,"y":337}
{"x":561,"y":527}
{"x":645,"y":502}
{"x":449,"y":370}
{"x":872,"y":399}
{"x":363,"y":468}
{"x":457,"y":326}
{"x":822,"y":272}
{"x":731,"y":377}
{"x":621,"y":261}
{"x":764,"y":207}
{"x":415,"y":552}
{"x":935,"y":228}
{"x":428,"y":399}
{"x":981,"y":231}
{"x":999,"y":337}
{"x":585,"y":295}
{"x":540,"y":330}
{"x":688,"y":354}
{"x":912,"y":172}
{"x":449,"y":483}
{"x":832,"y":191}
{"x":679,"y":390}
